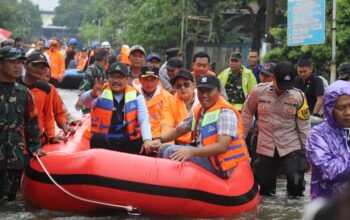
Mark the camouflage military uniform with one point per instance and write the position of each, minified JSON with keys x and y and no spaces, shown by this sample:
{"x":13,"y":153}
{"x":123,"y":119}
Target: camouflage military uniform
{"x":18,"y":119}
{"x":93,"y":72}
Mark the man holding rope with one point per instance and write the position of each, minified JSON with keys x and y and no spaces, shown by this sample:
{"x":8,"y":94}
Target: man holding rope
{"x":19,"y":128}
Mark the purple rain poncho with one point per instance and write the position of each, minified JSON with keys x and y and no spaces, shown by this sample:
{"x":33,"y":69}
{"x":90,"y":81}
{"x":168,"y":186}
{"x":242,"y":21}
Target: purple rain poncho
{"x":327,"y":148}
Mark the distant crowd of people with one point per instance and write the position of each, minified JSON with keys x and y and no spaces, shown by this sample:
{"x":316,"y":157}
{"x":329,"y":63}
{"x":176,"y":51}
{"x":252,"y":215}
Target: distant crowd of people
{"x":138,"y":105}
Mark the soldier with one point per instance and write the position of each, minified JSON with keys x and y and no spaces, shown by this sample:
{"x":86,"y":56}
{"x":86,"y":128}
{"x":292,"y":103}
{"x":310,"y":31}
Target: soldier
{"x":283,"y":118}
{"x":17,"y":114}
{"x":94,"y":72}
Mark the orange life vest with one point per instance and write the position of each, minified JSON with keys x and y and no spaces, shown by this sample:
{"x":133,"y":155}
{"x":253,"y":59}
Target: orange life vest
{"x":101,"y":114}
{"x":237,"y":151}
{"x":174,"y":115}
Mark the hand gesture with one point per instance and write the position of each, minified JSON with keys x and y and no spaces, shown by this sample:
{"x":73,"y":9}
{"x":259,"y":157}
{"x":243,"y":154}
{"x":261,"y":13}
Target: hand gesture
{"x":155,"y":145}
{"x":67,"y":130}
{"x":98,"y":88}
{"x":146,"y":147}
{"x":182,"y":154}
{"x":79,"y":105}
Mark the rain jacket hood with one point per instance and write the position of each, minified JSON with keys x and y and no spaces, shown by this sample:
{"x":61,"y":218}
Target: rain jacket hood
{"x":327,"y":149}
{"x":331,"y":95}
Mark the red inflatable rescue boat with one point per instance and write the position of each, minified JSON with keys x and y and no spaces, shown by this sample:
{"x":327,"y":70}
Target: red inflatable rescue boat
{"x":83,"y":179}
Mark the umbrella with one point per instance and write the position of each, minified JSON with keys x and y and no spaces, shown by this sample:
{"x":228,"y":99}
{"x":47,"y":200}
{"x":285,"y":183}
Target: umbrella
{"x":4,"y":35}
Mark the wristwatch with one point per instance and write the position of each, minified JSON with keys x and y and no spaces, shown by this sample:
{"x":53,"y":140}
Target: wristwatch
{"x":160,"y":139}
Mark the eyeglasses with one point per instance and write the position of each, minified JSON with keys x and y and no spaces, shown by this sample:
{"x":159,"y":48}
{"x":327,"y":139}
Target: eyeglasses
{"x":185,"y":85}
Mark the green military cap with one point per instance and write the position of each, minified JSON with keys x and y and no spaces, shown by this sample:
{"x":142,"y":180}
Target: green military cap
{"x":11,"y":53}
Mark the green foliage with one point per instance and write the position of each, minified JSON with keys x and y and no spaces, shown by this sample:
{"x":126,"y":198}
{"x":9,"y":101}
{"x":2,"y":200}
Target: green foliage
{"x":20,"y":17}
{"x":319,"y":54}
{"x":154,"y":23}
{"x":70,"y":13}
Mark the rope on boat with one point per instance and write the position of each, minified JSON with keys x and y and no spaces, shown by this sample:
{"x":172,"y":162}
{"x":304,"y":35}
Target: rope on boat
{"x":131,"y":210}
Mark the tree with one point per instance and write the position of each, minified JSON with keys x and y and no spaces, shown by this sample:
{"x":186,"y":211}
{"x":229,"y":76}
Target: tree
{"x":319,"y":54}
{"x":70,"y":13}
{"x":22,"y":18}
{"x":155,"y":24}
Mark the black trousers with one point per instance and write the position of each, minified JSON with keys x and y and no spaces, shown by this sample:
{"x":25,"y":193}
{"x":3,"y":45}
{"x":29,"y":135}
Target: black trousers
{"x":9,"y":183}
{"x":101,"y":141}
{"x":293,"y":165}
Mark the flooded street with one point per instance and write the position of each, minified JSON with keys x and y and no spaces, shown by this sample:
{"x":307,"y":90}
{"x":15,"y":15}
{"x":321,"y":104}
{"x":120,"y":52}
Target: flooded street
{"x":278,"y":207}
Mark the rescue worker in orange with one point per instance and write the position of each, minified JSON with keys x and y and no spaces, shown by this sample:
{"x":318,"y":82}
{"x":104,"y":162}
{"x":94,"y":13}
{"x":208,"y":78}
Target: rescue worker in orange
{"x":57,"y":63}
{"x":217,"y":133}
{"x":59,"y":111}
{"x":82,"y":59}
{"x":156,"y":97}
{"x":119,"y":116}
{"x":123,"y":56}
{"x":35,"y":67}
{"x":182,"y":104}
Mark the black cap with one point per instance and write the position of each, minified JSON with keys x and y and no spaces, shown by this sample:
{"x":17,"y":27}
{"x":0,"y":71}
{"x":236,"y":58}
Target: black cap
{"x":344,"y":71}
{"x":285,"y":74}
{"x":11,"y":53}
{"x":268,"y":68}
{"x":173,"y":63}
{"x":208,"y":81}
{"x":84,"y":49}
{"x":118,"y":67}
{"x":236,"y":56}
{"x":173,"y":52}
{"x":147,"y":71}
{"x":37,"y":57}
{"x":183,"y":73}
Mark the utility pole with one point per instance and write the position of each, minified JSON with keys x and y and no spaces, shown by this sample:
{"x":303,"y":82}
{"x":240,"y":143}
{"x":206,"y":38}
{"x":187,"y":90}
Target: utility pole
{"x":99,"y":29}
{"x":182,"y":25}
{"x":270,"y":19}
{"x":334,"y":43}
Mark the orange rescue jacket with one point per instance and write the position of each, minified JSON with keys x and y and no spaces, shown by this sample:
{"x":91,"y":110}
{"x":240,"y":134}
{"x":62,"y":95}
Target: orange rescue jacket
{"x":57,"y":64}
{"x":101,"y":114}
{"x":174,"y":115}
{"x":43,"y":101}
{"x":237,"y":151}
{"x":155,"y":108}
{"x":57,"y":106}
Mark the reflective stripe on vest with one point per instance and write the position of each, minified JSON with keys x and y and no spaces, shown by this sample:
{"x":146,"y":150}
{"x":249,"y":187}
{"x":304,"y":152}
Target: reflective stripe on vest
{"x":101,"y":114}
{"x":237,"y":150}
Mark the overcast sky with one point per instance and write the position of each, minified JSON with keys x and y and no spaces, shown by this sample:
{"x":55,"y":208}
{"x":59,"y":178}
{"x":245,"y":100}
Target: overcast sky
{"x":46,"y":5}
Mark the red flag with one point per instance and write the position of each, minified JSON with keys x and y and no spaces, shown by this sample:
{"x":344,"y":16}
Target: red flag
{"x":4,"y":35}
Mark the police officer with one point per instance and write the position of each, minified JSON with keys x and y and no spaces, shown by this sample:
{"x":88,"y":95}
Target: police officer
{"x":17,"y":113}
{"x":344,"y":71}
{"x":283,"y":118}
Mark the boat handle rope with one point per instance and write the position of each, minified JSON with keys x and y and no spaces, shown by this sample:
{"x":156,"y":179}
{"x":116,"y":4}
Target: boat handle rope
{"x":131,"y":210}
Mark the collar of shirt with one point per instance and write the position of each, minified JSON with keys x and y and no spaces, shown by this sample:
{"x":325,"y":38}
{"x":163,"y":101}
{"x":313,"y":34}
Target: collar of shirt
{"x":240,"y":72}
{"x":148,"y":97}
{"x":119,"y":98}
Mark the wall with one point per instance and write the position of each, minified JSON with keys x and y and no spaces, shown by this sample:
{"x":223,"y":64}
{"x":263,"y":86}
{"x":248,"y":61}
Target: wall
{"x":220,"y":53}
